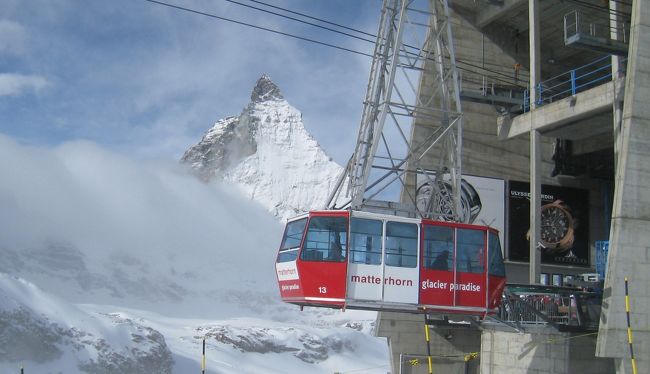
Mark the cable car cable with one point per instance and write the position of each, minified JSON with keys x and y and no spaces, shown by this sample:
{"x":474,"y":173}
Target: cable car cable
{"x":343,"y":33}
{"x":301,"y":21}
{"x":552,"y":341}
{"x":315,"y":18}
{"x":316,"y":41}
{"x":256,"y":27}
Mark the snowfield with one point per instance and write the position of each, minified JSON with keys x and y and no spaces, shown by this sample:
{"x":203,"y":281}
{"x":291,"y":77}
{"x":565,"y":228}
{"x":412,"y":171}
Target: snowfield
{"x":49,"y":335}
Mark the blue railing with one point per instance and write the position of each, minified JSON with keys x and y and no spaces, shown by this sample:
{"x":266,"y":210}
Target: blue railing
{"x":570,"y":83}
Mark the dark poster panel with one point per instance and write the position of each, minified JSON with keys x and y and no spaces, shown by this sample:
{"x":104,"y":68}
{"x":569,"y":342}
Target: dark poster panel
{"x":565,"y":224}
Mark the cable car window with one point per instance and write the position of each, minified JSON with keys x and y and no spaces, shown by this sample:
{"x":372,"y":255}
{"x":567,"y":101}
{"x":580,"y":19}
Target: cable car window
{"x":326,"y":239}
{"x":291,"y":240}
{"x":293,"y":234}
{"x":470,"y":253}
{"x":401,"y":244}
{"x":438,"y":247}
{"x":365,"y":241}
{"x":496,"y":266}
{"x":286,"y":256}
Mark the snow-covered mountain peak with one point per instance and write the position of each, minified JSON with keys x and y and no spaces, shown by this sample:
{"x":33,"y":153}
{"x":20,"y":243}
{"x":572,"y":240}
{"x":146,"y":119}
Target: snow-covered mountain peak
{"x":268,"y":154}
{"x":265,"y":90}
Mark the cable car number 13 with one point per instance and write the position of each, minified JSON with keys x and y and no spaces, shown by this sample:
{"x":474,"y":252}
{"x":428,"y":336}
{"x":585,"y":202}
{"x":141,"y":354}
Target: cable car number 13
{"x":322,"y":289}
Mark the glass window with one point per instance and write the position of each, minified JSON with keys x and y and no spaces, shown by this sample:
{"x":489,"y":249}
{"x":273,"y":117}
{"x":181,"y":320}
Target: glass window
{"x":496,"y":265}
{"x":326,"y":239}
{"x":291,"y":240}
{"x":286,"y":256}
{"x":438,"y":247}
{"x":293,"y":234}
{"x":470,"y":254}
{"x":365,"y":241}
{"x":401,"y":244}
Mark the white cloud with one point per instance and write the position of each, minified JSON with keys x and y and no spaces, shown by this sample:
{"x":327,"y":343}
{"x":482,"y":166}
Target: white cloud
{"x":104,"y":204}
{"x":18,"y":84}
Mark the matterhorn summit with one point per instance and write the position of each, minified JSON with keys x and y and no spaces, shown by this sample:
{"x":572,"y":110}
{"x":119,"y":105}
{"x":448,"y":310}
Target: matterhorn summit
{"x":267,"y":152}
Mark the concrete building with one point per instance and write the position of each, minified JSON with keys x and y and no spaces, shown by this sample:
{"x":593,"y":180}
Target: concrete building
{"x":582,"y":132}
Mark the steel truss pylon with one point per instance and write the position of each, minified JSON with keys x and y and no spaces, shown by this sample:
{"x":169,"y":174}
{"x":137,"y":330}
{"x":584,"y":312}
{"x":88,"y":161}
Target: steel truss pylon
{"x":413,"y":84}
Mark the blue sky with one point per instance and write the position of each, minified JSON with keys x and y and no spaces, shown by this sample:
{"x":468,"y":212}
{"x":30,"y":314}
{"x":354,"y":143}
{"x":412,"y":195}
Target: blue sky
{"x":147,"y":80}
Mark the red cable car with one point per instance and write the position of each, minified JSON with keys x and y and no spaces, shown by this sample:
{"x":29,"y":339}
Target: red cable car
{"x":362,"y":260}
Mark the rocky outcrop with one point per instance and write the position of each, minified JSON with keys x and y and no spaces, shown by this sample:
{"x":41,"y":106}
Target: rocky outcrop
{"x":28,"y":334}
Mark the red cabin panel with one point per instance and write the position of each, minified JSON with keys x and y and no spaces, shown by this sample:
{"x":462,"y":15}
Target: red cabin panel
{"x":436,"y":287}
{"x":323,"y":284}
{"x":470,"y":290}
{"x":316,"y":275}
{"x":497,"y":285}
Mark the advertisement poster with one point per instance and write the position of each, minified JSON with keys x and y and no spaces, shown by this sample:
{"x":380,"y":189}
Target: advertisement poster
{"x":565,"y":224}
{"x":482,"y":200}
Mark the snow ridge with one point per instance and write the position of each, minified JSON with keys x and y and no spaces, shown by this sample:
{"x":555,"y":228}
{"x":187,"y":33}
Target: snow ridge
{"x":268,"y":154}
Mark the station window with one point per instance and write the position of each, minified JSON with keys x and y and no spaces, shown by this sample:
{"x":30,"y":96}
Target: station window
{"x":326,"y":239}
{"x":496,"y":266}
{"x":438,"y":247}
{"x":365,"y":241}
{"x":401,"y":244}
{"x":470,"y":254}
{"x":291,"y":240}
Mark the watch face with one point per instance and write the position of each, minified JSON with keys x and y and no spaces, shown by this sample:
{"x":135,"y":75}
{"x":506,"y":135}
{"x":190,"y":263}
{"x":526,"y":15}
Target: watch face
{"x":555,"y":224}
{"x":429,"y":201}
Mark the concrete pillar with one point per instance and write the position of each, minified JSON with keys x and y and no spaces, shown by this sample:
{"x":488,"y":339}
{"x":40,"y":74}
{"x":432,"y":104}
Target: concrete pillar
{"x":629,"y":251}
{"x":535,"y":143}
{"x":616,"y":34}
{"x":535,"y":206}
{"x":534,"y":50}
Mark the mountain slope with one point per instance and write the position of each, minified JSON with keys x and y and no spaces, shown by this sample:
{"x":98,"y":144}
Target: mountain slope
{"x":48,"y":335}
{"x":268,"y":154}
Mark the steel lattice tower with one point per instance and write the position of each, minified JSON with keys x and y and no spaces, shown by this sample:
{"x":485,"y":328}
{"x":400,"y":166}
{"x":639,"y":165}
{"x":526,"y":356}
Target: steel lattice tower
{"x":413,"y":82}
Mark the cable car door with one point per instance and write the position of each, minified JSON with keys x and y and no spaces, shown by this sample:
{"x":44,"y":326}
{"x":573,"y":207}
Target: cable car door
{"x":365,"y":268}
{"x":437,"y":271}
{"x":383,"y":264}
{"x":322,"y":262}
{"x":401,"y":272}
{"x":471,"y":279}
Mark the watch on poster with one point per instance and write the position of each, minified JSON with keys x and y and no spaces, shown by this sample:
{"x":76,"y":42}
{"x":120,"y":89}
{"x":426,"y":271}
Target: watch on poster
{"x":470,"y":200}
{"x":557,"y":234}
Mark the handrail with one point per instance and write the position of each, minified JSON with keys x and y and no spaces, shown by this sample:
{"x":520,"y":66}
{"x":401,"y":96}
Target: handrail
{"x":578,"y":23}
{"x":549,"y":305}
{"x":570,"y":83}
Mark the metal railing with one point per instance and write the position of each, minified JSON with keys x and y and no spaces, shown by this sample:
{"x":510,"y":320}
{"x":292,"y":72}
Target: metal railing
{"x":597,"y":26}
{"x":572,"y":82}
{"x":556,"y":306}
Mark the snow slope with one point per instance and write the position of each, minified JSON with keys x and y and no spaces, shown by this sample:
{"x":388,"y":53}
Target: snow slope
{"x":268,"y":154}
{"x":114,"y":266}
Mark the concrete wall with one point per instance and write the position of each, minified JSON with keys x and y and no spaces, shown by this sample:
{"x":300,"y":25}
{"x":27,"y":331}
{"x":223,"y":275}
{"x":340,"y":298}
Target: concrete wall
{"x":540,"y":350}
{"x":629,"y":254}
{"x":449,"y":345}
